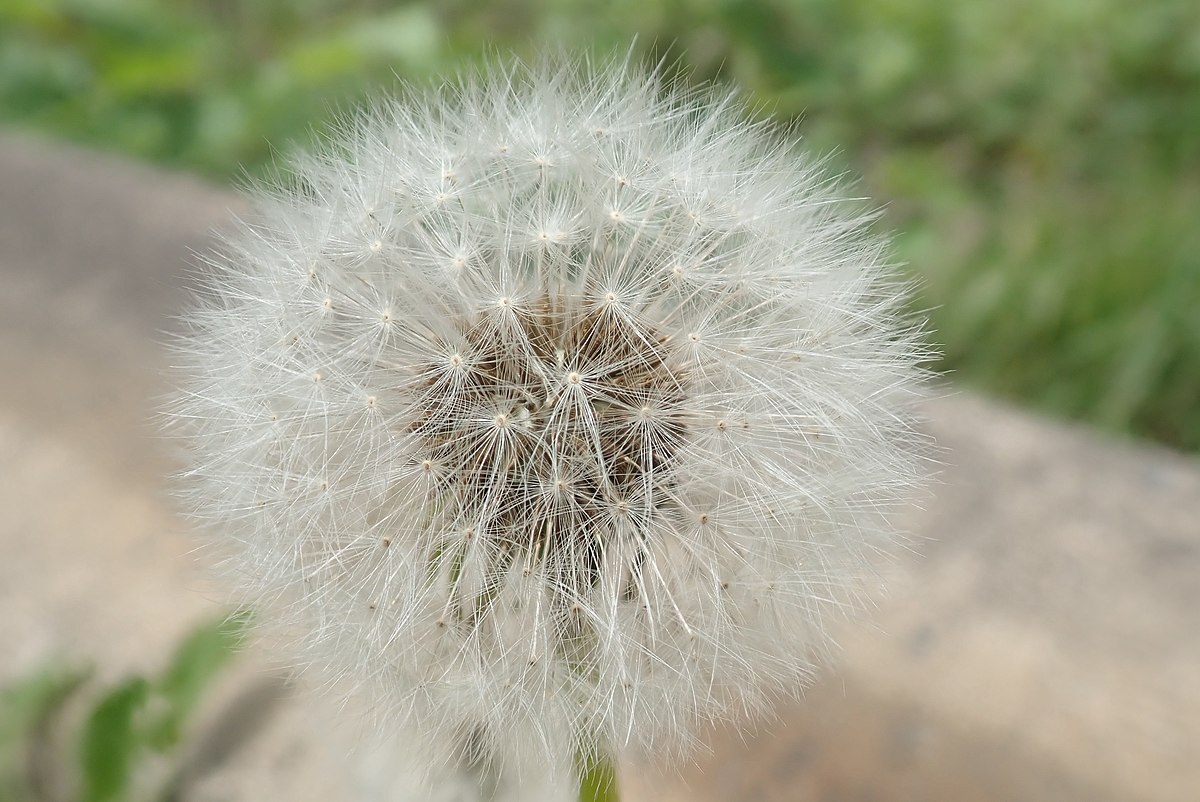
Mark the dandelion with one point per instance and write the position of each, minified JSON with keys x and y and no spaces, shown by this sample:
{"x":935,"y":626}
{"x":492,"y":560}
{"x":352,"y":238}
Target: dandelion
{"x":558,"y":409}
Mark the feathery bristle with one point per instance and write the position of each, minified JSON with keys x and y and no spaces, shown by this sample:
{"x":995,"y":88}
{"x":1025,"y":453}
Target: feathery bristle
{"x":557,"y":408}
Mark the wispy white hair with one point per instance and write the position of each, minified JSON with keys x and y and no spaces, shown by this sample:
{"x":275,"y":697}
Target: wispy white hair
{"x":559,"y":409}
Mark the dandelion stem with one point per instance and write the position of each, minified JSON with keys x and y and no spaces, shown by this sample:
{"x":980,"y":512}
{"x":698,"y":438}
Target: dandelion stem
{"x":598,"y":781}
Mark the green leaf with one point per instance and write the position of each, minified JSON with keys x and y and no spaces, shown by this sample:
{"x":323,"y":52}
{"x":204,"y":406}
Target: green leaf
{"x":25,"y":707}
{"x":196,"y":663}
{"x":111,"y":742}
{"x":29,"y":701}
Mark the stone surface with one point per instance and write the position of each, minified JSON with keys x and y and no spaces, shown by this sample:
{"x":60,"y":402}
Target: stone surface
{"x":1041,"y":642}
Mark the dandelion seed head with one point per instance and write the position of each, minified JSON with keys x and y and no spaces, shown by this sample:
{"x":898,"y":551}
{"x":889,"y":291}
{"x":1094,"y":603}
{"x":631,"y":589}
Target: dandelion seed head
{"x":581,"y":435}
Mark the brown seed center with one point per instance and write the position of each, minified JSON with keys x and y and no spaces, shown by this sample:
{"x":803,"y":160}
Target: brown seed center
{"x":553,"y":426}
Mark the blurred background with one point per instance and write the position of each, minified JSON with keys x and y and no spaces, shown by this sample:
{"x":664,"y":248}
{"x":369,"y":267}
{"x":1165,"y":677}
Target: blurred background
{"x":1039,"y":160}
{"x":1039,"y":164}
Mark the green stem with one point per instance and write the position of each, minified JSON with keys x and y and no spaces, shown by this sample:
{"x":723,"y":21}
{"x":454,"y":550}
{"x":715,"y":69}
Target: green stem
{"x":598,"y":781}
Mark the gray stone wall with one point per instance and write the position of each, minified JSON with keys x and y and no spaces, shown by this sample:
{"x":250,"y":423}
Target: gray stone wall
{"x":1041,"y":642}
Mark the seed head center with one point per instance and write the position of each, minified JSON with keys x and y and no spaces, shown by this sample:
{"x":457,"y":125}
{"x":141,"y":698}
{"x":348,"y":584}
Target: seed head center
{"x":552,"y":461}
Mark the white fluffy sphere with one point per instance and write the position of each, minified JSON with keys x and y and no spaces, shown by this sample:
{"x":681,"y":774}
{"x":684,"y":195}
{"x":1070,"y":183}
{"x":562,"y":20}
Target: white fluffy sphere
{"x":558,"y":408}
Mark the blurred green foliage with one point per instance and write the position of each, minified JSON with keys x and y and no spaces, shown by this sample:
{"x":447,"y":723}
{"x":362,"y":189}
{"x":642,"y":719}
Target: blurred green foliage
{"x":1040,"y":160}
{"x":128,"y":746}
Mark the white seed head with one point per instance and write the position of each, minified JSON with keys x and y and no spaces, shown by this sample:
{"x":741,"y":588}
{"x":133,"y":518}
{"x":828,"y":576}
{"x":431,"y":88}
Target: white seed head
{"x":638,"y":398}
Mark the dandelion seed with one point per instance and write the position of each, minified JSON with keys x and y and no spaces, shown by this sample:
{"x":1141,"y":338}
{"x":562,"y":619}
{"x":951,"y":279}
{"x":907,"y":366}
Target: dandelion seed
{"x":624,"y":475}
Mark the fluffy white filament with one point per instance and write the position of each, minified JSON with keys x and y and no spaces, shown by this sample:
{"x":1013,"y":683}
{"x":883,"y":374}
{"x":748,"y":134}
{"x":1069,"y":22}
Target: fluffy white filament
{"x":559,"y":408}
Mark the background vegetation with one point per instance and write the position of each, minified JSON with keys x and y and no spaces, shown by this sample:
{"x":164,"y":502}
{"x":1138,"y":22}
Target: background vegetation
{"x":1040,"y":158}
{"x":64,"y":736}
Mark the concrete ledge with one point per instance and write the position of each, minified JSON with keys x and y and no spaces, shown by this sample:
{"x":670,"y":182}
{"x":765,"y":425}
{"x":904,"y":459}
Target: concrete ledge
{"x":1045,"y":644}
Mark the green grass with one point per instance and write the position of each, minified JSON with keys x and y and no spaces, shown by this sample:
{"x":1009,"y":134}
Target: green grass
{"x":1040,"y":161}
